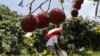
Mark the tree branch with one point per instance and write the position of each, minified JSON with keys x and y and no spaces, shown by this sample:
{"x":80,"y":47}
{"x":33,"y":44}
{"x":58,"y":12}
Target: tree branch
{"x":29,"y":3}
{"x":21,"y":3}
{"x":49,"y":6}
{"x":39,"y":6}
{"x":30,"y":8}
{"x":96,"y":11}
{"x":42,"y":9}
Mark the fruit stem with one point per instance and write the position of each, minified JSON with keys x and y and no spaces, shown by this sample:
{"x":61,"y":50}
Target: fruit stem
{"x":48,"y":6}
{"x":62,"y":6}
{"x":30,"y":8}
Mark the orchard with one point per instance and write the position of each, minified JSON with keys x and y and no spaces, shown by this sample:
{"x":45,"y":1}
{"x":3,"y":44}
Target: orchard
{"x":23,"y":35}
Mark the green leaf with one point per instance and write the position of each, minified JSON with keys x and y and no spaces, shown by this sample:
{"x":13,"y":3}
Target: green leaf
{"x":61,"y":1}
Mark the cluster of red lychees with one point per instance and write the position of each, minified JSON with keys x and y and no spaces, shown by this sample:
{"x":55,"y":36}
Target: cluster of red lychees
{"x":76,"y":7}
{"x":30,"y":22}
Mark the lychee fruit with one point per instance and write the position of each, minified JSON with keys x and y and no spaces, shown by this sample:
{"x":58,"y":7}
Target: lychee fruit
{"x":43,"y":20}
{"x":77,"y":6}
{"x":74,"y":12}
{"x":79,"y":1}
{"x":28,"y":23}
{"x":57,"y":16}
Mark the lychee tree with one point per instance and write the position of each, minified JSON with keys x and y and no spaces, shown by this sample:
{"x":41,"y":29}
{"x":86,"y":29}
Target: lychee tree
{"x":10,"y":31}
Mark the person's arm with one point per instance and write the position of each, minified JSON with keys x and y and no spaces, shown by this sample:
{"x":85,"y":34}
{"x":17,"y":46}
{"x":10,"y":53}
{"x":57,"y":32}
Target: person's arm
{"x":56,"y":43}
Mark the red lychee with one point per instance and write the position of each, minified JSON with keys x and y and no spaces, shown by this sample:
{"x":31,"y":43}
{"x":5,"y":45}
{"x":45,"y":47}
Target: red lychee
{"x":57,"y":16}
{"x":79,"y":2}
{"x":74,"y":12}
{"x":43,"y":20}
{"x":28,"y":23}
{"x":77,"y":6}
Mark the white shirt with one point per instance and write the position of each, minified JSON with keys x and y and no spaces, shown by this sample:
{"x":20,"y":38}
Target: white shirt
{"x":52,"y":40}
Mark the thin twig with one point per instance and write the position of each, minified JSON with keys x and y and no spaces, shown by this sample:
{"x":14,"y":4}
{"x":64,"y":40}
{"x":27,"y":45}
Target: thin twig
{"x":99,"y":17}
{"x":70,"y":9}
{"x":96,"y":10}
{"x":29,"y":3}
{"x":30,"y":8}
{"x":49,"y":6}
{"x":39,"y":6}
{"x":21,"y":3}
{"x":42,"y":9}
{"x":61,"y":2}
{"x":62,"y":6}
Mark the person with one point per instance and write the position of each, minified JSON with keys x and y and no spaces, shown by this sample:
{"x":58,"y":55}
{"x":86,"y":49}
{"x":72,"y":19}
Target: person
{"x":52,"y":45}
